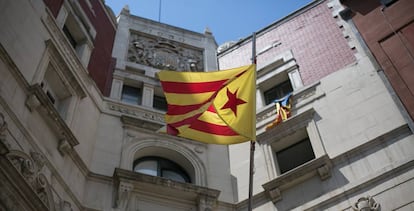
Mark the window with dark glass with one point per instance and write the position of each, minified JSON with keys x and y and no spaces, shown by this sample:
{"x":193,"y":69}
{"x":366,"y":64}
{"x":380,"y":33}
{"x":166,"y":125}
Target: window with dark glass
{"x":157,"y":166}
{"x":69,"y":36}
{"x":295,"y":155}
{"x":277,"y":92}
{"x":159,"y":103}
{"x":132,"y":95}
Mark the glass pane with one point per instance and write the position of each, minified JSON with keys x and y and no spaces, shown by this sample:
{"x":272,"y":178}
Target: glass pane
{"x":295,"y":155}
{"x":277,"y":92}
{"x":147,"y":167}
{"x":173,"y":175}
{"x":131,"y":95}
{"x":160,"y":103}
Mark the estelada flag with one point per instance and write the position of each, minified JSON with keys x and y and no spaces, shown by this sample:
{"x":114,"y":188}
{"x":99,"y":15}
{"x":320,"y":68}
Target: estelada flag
{"x":216,"y":107}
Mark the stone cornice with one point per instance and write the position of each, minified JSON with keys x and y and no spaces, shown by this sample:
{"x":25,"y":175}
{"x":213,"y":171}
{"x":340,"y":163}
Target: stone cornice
{"x":126,"y":182}
{"x":138,"y":112}
{"x":320,"y":166}
{"x":135,"y":122}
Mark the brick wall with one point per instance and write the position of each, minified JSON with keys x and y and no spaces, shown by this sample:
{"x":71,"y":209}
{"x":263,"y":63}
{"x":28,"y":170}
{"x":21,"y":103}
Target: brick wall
{"x":313,"y":36}
{"x":100,"y":65}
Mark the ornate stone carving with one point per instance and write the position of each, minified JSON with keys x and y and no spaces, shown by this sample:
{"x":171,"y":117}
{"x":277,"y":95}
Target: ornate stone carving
{"x":30,"y":168}
{"x":124,"y":194}
{"x":140,"y":113}
{"x":206,"y":202}
{"x":3,"y":129}
{"x":32,"y":102}
{"x":164,"y":54}
{"x":65,"y":206}
{"x":275,"y":195}
{"x":324,"y":172}
{"x":366,"y":204}
{"x":64,"y":147}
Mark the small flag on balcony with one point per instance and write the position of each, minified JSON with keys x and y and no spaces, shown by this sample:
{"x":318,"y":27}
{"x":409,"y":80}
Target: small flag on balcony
{"x":212,"y":107}
{"x":283,"y":107}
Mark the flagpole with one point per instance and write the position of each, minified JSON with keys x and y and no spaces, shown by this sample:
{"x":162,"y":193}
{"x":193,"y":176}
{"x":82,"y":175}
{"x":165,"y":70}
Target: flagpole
{"x":252,"y":142}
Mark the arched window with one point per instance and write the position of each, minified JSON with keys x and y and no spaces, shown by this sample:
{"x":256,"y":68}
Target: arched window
{"x":157,"y":166}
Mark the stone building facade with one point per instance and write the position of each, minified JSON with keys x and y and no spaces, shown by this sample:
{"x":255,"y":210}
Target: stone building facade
{"x":80,"y":107}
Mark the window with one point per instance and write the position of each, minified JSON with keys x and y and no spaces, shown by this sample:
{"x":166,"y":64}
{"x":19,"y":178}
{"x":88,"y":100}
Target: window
{"x":277,"y":79}
{"x":78,"y":30}
{"x":277,"y":92}
{"x":132,"y":95}
{"x":56,"y":92}
{"x":69,"y":36}
{"x":295,"y":155}
{"x":77,"y":37}
{"x":159,"y":103}
{"x":157,"y":166}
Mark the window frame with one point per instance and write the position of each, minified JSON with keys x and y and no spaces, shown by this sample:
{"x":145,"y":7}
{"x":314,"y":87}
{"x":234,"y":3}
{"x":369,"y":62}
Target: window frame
{"x":164,"y":164}
{"x":280,"y":71}
{"x":281,"y":164}
{"x":73,"y":21}
{"x":139,"y":96}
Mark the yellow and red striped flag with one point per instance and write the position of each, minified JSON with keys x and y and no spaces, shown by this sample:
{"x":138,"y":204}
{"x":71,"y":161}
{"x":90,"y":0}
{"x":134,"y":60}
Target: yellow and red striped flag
{"x":212,"y":107}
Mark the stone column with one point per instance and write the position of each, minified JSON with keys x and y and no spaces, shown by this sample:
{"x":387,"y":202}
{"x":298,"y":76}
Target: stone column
{"x":116,"y":89}
{"x":147,"y":95}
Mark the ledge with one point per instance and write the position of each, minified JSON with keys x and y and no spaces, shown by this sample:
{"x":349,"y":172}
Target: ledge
{"x":137,"y":112}
{"x":135,"y":122}
{"x":300,"y":99}
{"x":37,"y":99}
{"x":320,"y":166}
{"x":126,"y":181}
{"x":288,"y":126}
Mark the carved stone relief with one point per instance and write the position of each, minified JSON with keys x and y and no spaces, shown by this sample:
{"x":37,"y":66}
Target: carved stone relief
{"x":164,"y":54}
{"x":124,"y":195}
{"x":30,"y":167}
{"x":206,"y":203}
{"x":3,"y":129}
{"x":366,"y":204}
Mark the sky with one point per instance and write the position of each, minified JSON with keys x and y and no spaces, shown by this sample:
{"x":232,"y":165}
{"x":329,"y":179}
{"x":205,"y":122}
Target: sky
{"x":228,"y":20}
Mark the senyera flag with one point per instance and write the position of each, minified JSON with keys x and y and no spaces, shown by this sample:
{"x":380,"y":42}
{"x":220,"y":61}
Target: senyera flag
{"x":212,"y":107}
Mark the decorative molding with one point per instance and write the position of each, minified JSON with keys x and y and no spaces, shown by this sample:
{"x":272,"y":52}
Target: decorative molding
{"x":366,"y":204}
{"x":126,"y":120}
{"x":52,"y":114}
{"x":65,"y":48}
{"x":3,"y":138}
{"x":162,"y":53}
{"x":206,"y":202}
{"x":123,"y":195}
{"x":287,"y":127}
{"x":325,"y":171}
{"x":144,"y":114}
{"x":300,"y":99}
{"x":64,"y":147}
{"x":63,"y":69}
{"x":128,"y":182}
{"x":275,"y":194}
{"x":65,"y":206}
{"x":32,"y":102}
{"x":197,"y":166}
{"x":320,"y":166}
{"x":30,"y":168}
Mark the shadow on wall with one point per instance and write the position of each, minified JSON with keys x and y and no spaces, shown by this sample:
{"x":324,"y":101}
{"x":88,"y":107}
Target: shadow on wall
{"x":363,"y":8}
{"x":354,"y":163}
